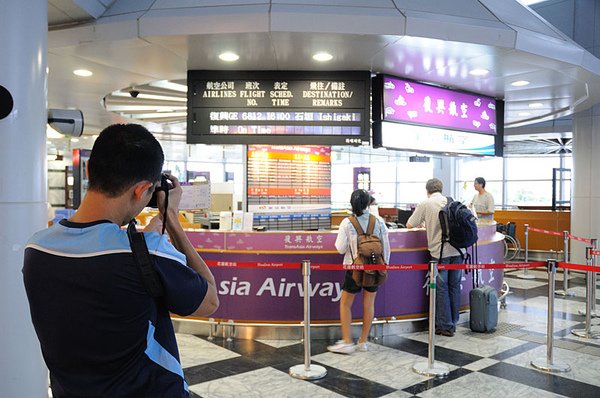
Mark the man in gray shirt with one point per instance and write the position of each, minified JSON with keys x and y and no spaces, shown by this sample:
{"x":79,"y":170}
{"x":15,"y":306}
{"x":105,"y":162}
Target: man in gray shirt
{"x":448,"y":281}
{"x":483,"y":201}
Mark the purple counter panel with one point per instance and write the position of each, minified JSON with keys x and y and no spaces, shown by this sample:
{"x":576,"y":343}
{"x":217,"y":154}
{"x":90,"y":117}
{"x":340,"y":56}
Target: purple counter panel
{"x":276,"y":295}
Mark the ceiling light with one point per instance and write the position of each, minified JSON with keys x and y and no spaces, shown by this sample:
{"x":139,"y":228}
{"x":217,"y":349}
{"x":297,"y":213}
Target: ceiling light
{"x":322,"y":56}
{"x":82,"y":72}
{"x":524,"y":114}
{"x":229,"y":57}
{"x":519,"y":83}
{"x":74,"y":139}
{"x":536,"y":105}
{"x":479,"y":72}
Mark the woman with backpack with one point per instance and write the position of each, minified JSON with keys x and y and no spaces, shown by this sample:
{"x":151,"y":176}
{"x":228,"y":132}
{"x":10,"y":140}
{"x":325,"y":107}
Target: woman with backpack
{"x":347,"y":244}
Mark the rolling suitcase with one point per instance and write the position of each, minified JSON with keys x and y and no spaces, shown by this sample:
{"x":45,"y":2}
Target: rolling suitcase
{"x":483,"y":302}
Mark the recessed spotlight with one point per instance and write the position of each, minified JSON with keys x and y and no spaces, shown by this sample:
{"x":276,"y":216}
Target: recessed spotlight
{"x":82,"y":72}
{"x":519,"y":83}
{"x":536,"y":105}
{"x":524,"y":114}
{"x":229,"y":57}
{"x":479,"y":72}
{"x":322,"y":56}
{"x":74,"y":139}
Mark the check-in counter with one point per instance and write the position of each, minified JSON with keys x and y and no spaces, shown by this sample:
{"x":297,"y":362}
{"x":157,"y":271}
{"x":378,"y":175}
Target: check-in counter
{"x":272,"y":295}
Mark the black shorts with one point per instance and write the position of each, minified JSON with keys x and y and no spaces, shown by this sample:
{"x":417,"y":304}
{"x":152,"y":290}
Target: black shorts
{"x":351,"y":287}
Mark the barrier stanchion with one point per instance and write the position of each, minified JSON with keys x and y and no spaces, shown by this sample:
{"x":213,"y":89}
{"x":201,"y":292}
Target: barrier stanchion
{"x":525,"y":274}
{"x":548,"y":364}
{"x":565,"y":292}
{"x":430,"y":368}
{"x":595,"y":313}
{"x":307,"y":371}
{"x":592,"y":298}
{"x":587,"y":333}
{"x":211,"y":332}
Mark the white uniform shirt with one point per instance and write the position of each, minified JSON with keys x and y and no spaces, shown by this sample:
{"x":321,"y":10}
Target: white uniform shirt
{"x":484,"y":202}
{"x":428,"y":213}
{"x":347,"y":239}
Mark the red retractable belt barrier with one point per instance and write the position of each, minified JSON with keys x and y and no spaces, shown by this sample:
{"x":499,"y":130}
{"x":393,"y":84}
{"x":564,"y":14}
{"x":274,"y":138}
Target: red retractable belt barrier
{"x":545,"y":231}
{"x":579,"y":267}
{"x":586,"y":240}
{"x":350,"y":267}
{"x":595,"y":252}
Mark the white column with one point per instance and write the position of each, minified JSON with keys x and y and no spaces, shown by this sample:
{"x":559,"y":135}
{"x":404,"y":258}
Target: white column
{"x":23,"y":192}
{"x":585,"y":213}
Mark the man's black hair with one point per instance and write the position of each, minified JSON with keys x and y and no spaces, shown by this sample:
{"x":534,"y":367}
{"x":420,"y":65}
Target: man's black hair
{"x":359,"y":200}
{"x":123,"y":155}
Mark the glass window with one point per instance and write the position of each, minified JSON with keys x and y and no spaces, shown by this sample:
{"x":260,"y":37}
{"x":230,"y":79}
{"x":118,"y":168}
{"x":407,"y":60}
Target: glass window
{"x":411,"y":193}
{"x":529,"y":193}
{"x":531,"y":168}
{"x":415,"y":171}
{"x":383,"y":172}
{"x":471,"y":168}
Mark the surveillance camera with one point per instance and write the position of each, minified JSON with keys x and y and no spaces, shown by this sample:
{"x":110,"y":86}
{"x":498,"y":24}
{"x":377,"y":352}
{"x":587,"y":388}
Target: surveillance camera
{"x":134,"y":93}
{"x":66,"y":121}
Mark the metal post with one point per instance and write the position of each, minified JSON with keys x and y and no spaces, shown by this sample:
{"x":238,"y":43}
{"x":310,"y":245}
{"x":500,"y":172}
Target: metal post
{"x":230,"y":329}
{"x":548,"y":365}
{"x":211,"y":323}
{"x":430,"y":368}
{"x":587,"y":333}
{"x":565,"y":290}
{"x":525,"y":274}
{"x":307,"y":371}
{"x":594,"y":313}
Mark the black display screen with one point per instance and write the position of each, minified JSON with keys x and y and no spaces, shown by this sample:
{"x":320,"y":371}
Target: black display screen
{"x":273,"y":107}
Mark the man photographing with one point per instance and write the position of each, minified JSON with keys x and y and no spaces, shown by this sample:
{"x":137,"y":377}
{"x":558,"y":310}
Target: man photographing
{"x":102,"y":334}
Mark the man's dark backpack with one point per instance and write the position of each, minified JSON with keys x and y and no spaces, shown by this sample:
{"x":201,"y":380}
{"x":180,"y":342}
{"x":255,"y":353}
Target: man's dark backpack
{"x":459,"y":226}
{"x":370,"y":251}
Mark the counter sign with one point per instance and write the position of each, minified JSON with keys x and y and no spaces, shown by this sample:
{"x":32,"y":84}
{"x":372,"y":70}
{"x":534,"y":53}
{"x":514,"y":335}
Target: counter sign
{"x":327,"y":108}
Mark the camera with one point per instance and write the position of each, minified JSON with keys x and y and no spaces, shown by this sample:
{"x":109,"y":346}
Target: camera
{"x":165,"y":186}
{"x":134,"y":93}
{"x":66,"y":121}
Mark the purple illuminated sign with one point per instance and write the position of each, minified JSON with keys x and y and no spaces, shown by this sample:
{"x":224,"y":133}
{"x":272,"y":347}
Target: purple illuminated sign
{"x":405,"y":101}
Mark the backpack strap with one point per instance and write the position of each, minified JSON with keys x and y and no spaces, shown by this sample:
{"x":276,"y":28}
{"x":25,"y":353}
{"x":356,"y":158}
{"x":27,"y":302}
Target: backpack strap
{"x":359,"y":231}
{"x":445,"y":226}
{"x":356,"y":224}
{"x":371,"y":226}
{"x":144,"y":261}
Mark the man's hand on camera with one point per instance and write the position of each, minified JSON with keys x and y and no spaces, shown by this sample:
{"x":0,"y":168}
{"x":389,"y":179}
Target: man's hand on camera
{"x":174,"y":197}
{"x":155,"y":225}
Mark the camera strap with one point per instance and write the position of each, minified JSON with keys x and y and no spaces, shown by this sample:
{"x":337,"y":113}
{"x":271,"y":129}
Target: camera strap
{"x":144,"y":261}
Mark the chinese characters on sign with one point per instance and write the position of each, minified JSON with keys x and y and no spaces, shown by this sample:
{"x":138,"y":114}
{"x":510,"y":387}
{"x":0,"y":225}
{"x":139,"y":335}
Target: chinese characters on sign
{"x":278,"y":107}
{"x":411,"y":102}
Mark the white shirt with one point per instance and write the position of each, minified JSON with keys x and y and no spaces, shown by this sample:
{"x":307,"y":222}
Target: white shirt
{"x":484,"y":202}
{"x":347,"y":238}
{"x":428,"y":213}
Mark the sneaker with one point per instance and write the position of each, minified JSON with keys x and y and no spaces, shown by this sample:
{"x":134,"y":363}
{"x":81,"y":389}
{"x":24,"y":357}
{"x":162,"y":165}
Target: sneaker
{"x":362,"y":347}
{"x":341,"y":347}
{"x":443,"y":332}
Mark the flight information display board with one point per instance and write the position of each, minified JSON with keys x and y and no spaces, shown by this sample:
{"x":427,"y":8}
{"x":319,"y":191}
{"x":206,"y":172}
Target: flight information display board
{"x":289,"y":186}
{"x":273,"y":107}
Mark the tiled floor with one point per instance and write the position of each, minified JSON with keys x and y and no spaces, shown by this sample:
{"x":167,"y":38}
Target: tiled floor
{"x":481,"y":365}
